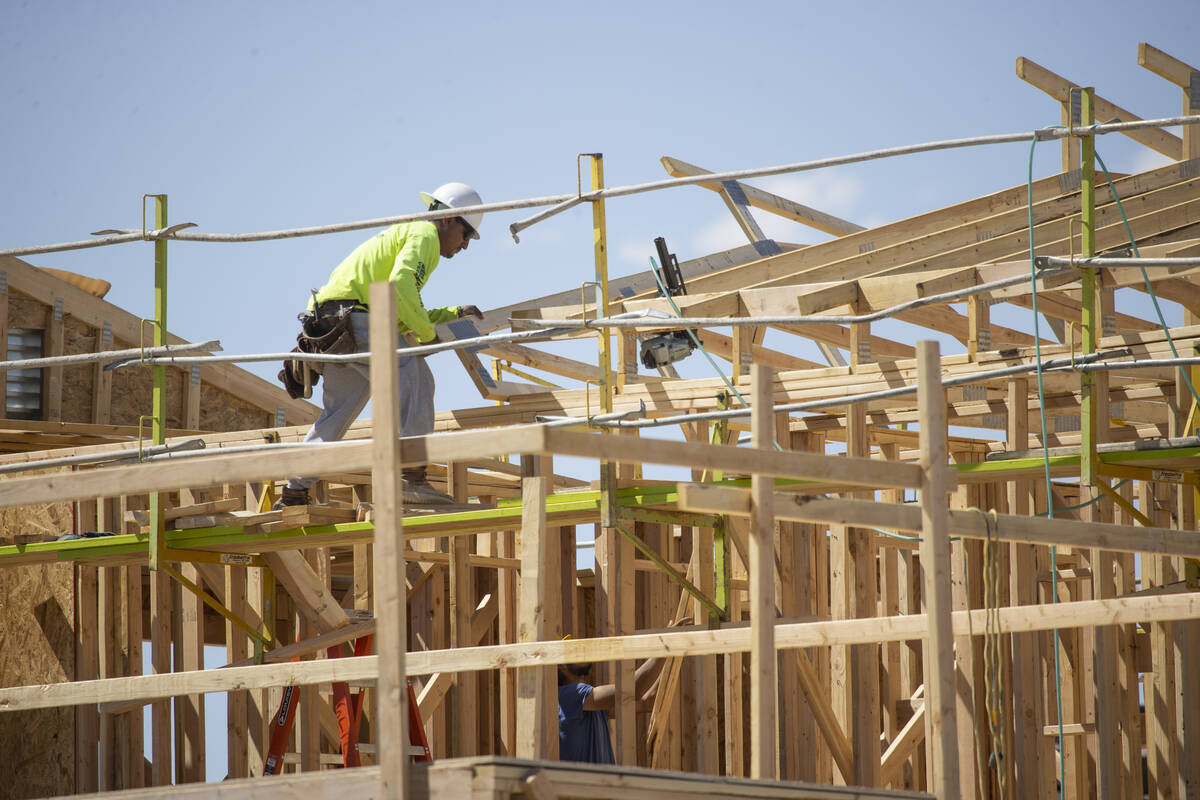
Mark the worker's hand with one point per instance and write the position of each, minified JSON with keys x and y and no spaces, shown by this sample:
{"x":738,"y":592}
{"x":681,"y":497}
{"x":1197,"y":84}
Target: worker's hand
{"x":469,"y":311}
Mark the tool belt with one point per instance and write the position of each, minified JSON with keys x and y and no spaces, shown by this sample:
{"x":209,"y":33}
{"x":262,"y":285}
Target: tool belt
{"x":328,"y":331}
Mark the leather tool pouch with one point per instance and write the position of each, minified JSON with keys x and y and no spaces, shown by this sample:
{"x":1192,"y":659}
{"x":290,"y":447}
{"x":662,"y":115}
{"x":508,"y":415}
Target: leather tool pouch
{"x":328,"y":334}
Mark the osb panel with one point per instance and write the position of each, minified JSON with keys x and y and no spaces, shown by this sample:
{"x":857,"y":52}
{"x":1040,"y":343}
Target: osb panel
{"x":37,"y":645}
{"x":77,"y":381}
{"x":23,"y":524}
{"x":133,"y":392}
{"x":26,"y":313}
{"x":221,"y":411}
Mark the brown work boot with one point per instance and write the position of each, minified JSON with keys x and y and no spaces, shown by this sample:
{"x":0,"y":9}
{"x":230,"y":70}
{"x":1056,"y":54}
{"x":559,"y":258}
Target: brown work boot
{"x":418,"y":492}
{"x":291,"y":497}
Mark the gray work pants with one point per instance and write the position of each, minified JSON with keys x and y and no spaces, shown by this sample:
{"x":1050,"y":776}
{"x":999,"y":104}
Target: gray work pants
{"x":348,"y":388}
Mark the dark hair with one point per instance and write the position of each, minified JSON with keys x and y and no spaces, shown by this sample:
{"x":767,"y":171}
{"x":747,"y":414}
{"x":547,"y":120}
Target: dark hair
{"x":576,"y":671}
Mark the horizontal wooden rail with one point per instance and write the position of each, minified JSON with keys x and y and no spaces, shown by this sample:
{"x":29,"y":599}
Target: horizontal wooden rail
{"x":215,"y":469}
{"x":688,"y":642}
{"x":972,"y":524}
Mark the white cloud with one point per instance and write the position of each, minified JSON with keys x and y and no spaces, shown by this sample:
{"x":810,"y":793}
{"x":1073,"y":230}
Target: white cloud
{"x":826,"y":190}
{"x":1147,"y":159}
{"x":839,"y":195}
{"x":722,"y":233}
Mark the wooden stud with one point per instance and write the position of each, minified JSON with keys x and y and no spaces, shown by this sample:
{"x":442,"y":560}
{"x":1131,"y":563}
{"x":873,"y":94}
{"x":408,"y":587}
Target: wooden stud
{"x":862,"y":587}
{"x":236,"y":648}
{"x":161,"y":605}
{"x":506,"y":582}
{"x":1133,"y":733}
{"x":734,"y":665}
{"x":462,"y":604}
{"x":391,"y":614}
{"x":191,"y":398}
{"x":102,"y":378}
{"x":705,"y":719}
{"x":135,"y":758}
{"x":1028,"y":709}
{"x":941,"y":731}
{"x":257,"y":710}
{"x":53,"y":376}
{"x":979,"y":335}
{"x":308,"y":731}
{"x":109,"y":620}
{"x":795,"y":719}
{"x":533,"y":701}
{"x":889,"y":605}
{"x":87,"y":728}
{"x":188,"y":629}
{"x":764,"y":755}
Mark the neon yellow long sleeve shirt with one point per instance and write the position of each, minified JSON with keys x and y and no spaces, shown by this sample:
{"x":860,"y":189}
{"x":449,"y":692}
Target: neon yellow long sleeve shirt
{"x":405,"y":255}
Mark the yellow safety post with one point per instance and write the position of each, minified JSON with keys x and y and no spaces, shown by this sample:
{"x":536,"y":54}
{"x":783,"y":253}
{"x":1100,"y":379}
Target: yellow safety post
{"x":1089,"y":319}
{"x":608,"y":470}
{"x":159,"y":396}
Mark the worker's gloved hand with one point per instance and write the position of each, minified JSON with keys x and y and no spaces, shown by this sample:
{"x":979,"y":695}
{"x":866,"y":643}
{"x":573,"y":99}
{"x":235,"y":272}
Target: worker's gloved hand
{"x":469,"y":311}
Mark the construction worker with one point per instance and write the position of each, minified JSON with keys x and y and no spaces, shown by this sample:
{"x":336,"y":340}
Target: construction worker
{"x":582,"y":707}
{"x":406,"y":255}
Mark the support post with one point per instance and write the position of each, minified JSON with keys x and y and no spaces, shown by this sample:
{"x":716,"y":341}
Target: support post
{"x":763,"y":680}
{"x":1089,"y":320}
{"x":159,"y":392}
{"x":391,"y":610}
{"x":465,"y":728}
{"x":941,"y":726}
{"x":534,"y":685}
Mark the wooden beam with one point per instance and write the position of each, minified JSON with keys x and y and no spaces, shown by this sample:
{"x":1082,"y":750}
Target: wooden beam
{"x":550,"y":362}
{"x":745,"y":460}
{"x":216,"y":470}
{"x":685,"y":642}
{"x":905,"y":517}
{"x":903,"y":746}
{"x":826,"y":223}
{"x":1059,"y":88}
{"x":1182,"y":75}
{"x":307,"y":589}
{"x":638,"y":284}
{"x":722,"y":346}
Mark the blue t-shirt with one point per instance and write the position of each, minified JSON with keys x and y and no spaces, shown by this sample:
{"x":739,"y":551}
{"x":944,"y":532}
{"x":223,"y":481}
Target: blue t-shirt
{"x":582,"y":735}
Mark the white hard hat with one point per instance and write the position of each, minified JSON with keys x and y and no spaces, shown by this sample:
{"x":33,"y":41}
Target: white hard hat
{"x":457,"y":195}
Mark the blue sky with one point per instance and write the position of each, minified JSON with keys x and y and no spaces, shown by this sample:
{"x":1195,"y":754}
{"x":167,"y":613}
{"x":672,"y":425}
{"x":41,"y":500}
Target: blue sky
{"x":273,"y":115}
